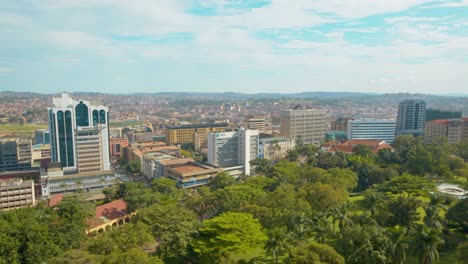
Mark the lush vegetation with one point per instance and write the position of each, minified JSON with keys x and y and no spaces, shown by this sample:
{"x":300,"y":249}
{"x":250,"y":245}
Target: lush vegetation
{"x":20,"y":128}
{"x":311,"y":207}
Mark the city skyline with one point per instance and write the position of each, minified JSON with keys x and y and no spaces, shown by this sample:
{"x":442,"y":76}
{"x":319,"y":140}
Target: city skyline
{"x":261,"y":46}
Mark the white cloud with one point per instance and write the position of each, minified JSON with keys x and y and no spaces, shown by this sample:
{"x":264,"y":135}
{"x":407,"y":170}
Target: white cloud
{"x":6,"y":69}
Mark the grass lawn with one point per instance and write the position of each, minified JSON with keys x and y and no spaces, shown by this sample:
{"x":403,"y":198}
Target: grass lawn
{"x":20,"y":128}
{"x":124,"y":123}
{"x":358,"y":202}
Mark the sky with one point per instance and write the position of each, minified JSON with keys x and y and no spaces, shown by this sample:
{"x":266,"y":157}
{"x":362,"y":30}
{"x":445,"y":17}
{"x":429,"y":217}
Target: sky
{"x":257,"y":46}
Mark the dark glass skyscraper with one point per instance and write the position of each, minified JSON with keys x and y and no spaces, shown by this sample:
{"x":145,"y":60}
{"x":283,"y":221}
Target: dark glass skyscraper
{"x":411,"y":117}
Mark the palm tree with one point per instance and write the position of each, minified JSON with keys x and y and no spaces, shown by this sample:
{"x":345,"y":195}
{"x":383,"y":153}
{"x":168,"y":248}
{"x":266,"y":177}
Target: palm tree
{"x":432,"y":218}
{"x":398,"y":246}
{"x":321,"y":227}
{"x":425,"y":245}
{"x":278,"y":241}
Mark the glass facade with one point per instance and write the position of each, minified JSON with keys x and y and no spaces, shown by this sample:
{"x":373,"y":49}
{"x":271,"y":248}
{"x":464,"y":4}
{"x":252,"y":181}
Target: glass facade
{"x":82,"y":117}
{"x":102,"y":117}
{"x":95,"y":117}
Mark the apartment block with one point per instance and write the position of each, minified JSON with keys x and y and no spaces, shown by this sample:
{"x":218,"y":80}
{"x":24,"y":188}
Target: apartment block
{"x":16,"y":193}
{"x":454,"y":130}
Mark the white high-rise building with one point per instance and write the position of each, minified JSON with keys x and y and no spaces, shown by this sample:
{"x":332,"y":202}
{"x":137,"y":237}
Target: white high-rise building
{"x":79,"y":135}
{"x":231,"y":149}
{"x":374,"y":129}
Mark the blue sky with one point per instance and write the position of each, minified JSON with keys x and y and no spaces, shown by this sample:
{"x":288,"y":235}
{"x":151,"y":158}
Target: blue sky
{"x":120,"y":46}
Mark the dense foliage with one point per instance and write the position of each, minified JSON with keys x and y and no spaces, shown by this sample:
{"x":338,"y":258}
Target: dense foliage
{"x":311,"y":207}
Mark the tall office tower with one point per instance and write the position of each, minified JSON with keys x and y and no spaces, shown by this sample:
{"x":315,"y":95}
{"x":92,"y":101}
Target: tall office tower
{"x":433,"y":114}
{"x":304,"y":126}
{"x":255,"y":122}
{"x":42,"y":136}
{"x":231,"y":149}
{"x":79,"y":135}
{"x":411,"y":118}
{"x":375,"y":129}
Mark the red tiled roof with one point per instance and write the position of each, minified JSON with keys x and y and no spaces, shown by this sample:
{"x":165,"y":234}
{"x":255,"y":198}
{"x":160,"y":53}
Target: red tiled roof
{"x":55,"y":199}
{"x":112,"y":210}
{"x":348,"y":146}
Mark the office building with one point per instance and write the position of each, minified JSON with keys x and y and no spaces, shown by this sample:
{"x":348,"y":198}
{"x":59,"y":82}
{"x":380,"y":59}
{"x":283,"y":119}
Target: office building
{"x":233,"y":149}
{"x":16,"y":193}
{"x":116,"y":146}
{"x":274,"y":148}
{"x":41,"y":136}
{"x":454,"y":130}
{"x":255,"y":123}
{"x":377,"y":129}
{"x":79,"y":135}
{"x":40,"y":154}
{"x":340,"y":124}
{"x":304,"y":126}
{"x":196,"y":134}
{"x":15,"y":154}
{"x":433,"y":114}
{"x":411,"y":118}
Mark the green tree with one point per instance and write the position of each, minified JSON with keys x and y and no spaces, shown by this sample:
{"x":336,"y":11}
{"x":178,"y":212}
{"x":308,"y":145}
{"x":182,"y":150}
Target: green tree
{"x":403,"y":211}
{"x":133,"y":166}
{"x":229,"y":233}
{"x":262,"y":166}
{"x":363,"y":150}
{"x":458,"y":214}
{"x":398,"y":245}
{"x":171,"y":225}
{"x":410,"y":184}
{"x":278,"y":242}
{"x":222,"y":180}
{"x":425,"y":245}
{"x":313,"y":252}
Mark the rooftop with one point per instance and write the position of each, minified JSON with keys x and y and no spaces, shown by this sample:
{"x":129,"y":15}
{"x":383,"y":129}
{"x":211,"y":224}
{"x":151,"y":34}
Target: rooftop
{"x":112,"y":210}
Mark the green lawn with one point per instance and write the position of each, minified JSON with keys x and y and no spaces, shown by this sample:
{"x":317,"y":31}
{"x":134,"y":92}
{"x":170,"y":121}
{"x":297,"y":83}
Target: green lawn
{"x":20,"y":128}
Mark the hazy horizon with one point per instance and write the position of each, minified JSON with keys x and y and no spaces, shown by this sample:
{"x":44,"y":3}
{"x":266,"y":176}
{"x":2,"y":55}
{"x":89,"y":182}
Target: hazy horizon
{"x":261,"y":46}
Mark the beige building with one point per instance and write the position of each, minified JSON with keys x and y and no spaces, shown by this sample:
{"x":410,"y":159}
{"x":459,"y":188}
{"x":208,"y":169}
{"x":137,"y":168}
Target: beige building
{"x":304,"y":126}
{"x":275,"y":148}
{"x":193,"y":134}
{"x":455,"y":130}
{"x":255,"y":122}
{"x":340,"y":124}
{"x":40,"y":152}
{"x":191,"y":174}
{"x":16,"y":193}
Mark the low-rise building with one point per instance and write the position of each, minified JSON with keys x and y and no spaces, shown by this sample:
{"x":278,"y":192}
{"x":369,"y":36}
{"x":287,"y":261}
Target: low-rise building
{"x":349,"y":145}
{"x":16,"y":193}
{"x":274,"y":148}
{"x":372,"y":129}
{"x":116,"y":146}
{"x":191,"y":174}
{"x":153,"y":163}
{"x":109,"y":215}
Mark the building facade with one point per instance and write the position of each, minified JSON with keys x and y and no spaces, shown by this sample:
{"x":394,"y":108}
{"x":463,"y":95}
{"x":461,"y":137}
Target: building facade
{"x":14,"y":155}
{"x":231,"y":149}
{"x":255,"y":122}
{"x":117,"y":145}
{"x":454,"y":130}
{"x":304,"y":126}
{"x":433,"y":114}
{"x":196,"y":134}
{"x":191,"y":174}
{"x":376,"y":129}
{"x":274,"y":148}
{"x":340,"y":124}
{"x":16,"y":193}
{"x":79,"y":135}
{"x":411,"y":118}
{"x":41,"y":136}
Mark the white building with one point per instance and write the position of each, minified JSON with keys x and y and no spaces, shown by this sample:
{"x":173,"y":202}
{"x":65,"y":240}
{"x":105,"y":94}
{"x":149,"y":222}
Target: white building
{"x":375,"y":129}
{"x":79,"y":135}
{"x":233,"y":149}
{"x":275,"y":148}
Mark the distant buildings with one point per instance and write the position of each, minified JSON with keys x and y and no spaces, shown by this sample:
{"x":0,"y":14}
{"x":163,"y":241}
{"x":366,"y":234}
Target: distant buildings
{"x":233,"y":149}
{"x":16,"y":193}
{"x":196,"y":134}
{"x":274,"y":148}
{"x":255,"y":122}
{"x":79,"y":135}
{"x":304,"y":126}
{"x":340,"y":124}
{"x":454,"y":130}
{"x":411,"y":117}
{"x":433,"y":114}
{"x":191,"y":173}
{"x":375,"y":129}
